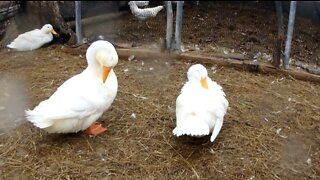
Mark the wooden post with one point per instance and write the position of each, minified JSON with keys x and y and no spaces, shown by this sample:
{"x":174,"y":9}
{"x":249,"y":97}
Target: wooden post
{"x":279,"y":17}
{"x":277,"y":54}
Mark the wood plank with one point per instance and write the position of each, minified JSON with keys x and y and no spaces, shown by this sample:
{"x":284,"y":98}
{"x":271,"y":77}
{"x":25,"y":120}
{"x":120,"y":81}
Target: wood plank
{"x":259,"y":67}
{"x":98,"y":19}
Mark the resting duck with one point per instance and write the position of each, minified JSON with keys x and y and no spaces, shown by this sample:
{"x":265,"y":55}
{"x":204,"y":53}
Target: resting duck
{"x":33,"y":39}
{"x":201,"y":106}
{"x":81,"y":100}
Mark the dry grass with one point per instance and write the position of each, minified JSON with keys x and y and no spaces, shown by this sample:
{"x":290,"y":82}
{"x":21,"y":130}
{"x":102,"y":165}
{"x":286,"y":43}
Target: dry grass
{"x":271,"y":130}
{"x":144,"y":147}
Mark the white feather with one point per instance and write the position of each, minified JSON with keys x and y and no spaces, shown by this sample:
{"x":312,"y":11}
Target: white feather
{"x":32,"y":40}
{"x":82,"y":99}
{"x":141,"y":3}
{"x":200,"y":111}
{"x":145,"y":13}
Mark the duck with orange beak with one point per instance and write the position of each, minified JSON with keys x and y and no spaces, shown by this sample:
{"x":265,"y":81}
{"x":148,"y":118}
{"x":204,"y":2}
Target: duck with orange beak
{"x":34,"y":39}
{"x":201,"y":106}
{"x":81,"y":100}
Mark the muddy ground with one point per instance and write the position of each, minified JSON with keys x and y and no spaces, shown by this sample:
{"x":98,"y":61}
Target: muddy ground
{"x":271,"y":130}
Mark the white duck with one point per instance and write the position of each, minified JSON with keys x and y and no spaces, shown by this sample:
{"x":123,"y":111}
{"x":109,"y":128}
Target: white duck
{"x":201,"y":106}
{"x":33,"y":39}
{"x":82,"y":99}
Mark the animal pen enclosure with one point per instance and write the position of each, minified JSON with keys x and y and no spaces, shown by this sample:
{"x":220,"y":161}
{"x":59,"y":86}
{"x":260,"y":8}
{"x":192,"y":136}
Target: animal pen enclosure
{"x":270,"y":131}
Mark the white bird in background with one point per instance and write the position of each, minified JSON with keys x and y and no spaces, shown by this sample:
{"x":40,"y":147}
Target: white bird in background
{"x":145,"y":13}
{"x":201,"y":106}
{"x":82,"y":99}
{"x":141,"y":3}
{"x":33,"y":39}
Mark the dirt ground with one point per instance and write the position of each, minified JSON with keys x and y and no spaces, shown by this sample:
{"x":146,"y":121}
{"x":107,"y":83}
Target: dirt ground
{"x":271,"y":130}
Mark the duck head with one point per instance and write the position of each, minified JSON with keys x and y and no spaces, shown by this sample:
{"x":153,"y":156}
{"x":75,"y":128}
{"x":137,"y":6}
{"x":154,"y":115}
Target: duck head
{"x":198,"y":73}
{"x":102,"y":57}
{"x":48,"y":29}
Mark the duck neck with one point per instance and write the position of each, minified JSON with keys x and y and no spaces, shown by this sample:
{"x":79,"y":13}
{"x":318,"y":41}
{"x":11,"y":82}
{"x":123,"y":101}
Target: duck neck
{"x":133,"y":7}
{"x":94,"y":69}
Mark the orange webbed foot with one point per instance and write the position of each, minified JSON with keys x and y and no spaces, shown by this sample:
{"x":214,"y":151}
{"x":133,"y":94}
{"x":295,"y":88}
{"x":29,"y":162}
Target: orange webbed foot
{"x":95,"y":129}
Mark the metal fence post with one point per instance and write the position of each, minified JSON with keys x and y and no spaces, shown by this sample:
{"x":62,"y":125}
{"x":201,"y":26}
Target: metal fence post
{"x":293,"y":5}
{"x":78,"y":21}
{"x":169,"y":25}
{"x":178,"y":25}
